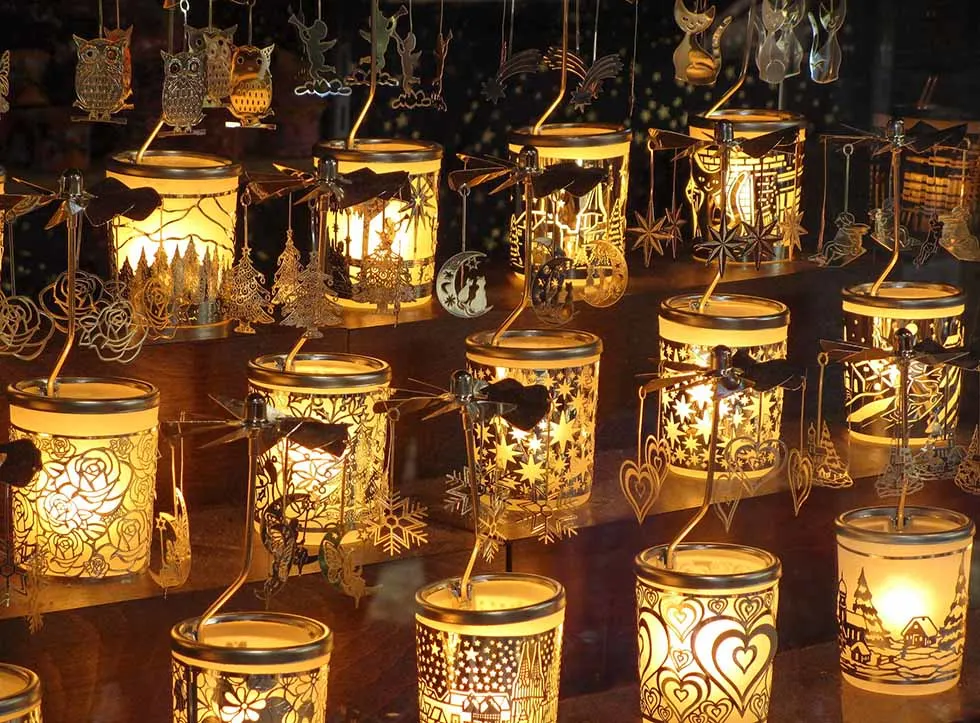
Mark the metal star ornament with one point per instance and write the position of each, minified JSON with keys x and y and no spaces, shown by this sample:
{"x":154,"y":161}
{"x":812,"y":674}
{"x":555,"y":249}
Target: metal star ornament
{"x":791,"y":229}
{"x":672,"y":224}
{"x":758,"y":239}
{"x":723,"y":245}
{"x":650,"y":235}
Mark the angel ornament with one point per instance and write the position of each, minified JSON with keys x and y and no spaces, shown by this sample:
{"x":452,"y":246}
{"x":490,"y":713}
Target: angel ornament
{"x":322,"y":78}
{"x":384,"y":30}
{"x":693,"y":63}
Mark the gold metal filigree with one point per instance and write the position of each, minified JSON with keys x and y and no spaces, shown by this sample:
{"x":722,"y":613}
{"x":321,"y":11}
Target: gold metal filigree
{"x":104,"y":75}
{"x":244,"y":296}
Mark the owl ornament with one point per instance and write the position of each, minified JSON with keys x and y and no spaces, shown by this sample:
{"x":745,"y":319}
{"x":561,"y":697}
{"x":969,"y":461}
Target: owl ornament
{"x":250,"y":99}
{"x":184,"y":91}
{"x":104,"y":76}
{"x":218,"y":47}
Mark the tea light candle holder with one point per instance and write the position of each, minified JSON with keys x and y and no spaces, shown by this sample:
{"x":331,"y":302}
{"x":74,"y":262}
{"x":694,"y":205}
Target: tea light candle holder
{"x":359,"y":231}
{"x":688,"y":336}
{"x":185,"y":247}
{"x":496,"y":659}
{"x":250,"y":666}
{"x":316,"y":485}
{"x":706,"y":631}
{"x":930,"y":311}
{"x":551,"y":465}
{"x":20,"y":695}
{"x":902,"y":598}
{"x":89,"y":512}
{"x":574,"y":225}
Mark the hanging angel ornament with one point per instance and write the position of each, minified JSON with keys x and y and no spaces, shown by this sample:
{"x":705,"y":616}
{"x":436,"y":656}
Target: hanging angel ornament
{"x":382,"y":29}
{"x":321,"y":78}
{"x":436,"y":99}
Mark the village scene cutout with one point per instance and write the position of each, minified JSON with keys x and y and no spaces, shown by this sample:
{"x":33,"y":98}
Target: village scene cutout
{"x":922,"y":650}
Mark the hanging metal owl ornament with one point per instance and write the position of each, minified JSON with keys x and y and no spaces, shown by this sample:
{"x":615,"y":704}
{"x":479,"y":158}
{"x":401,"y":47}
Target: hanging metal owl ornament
{"x":184,"y":91}
{"x":104,"y":76}
{"x":250,"y":100}
{"x":217,"y":46}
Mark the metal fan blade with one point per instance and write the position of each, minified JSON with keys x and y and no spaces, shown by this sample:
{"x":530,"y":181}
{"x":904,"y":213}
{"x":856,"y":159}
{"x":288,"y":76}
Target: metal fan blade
{"x":113,"y":198}
{"x":59,"y":217}
{"x":408,"y":405}
{"x":683,"y":367}
{"x":864,"y":355}
{"x":655,"y":385}
{"x":364,"y":185}
{"x":925,"y":137}
{"x":309,"y":433}
{"x":764,"y":376}
{"x":943,"y":357}
{"x":234,"y":407}
{"x":567,"y":176}
{"x":189,"y":427}
{"x":478,"y":170}
{"x":21,"y":462}
{"x":669,"y":140}
{"x":234,"y":436}
{"x":265,"y":186}
{"x":838,"y":351}
{"x":761,"y":145}
{"x":530,"y":403}
{"x":449,"y":406}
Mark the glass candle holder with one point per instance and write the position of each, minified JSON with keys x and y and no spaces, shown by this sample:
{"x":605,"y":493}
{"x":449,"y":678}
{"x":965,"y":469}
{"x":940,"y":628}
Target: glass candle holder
{"x":249,"y":667}
{"x":174,"y":260}
{"x":771,"y":185}
{"x":360,"y":234}
{"x":706,"y":631}
{"x":575,"y":224}
{"x":928,"y":310}
{"x":551,"y":465}
{"x":89,"y":511}
{"x":316,"y":486}
{"x":20,"y":695}
{"x":902,"y":598}
{"x":498,"y":658}
{"x":687,"y":336}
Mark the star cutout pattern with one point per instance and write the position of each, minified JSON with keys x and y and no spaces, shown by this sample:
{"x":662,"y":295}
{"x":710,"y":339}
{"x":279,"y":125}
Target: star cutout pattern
{"x":758,"y":239}
{"x":722,"y":246}
{"x":651,"y":233}
{"x":791,"y":229}
{"x":685,"y":414}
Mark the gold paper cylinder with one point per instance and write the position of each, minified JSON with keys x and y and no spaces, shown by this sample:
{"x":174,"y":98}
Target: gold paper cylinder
{"x":20,"y":695}
{"x":930,"y":311}
{"x":706,"y":631}
{"x":187,"y":244}
{"x":552,"y":464}
{"x":497,"y":659}
{"x":316,"y":485}
{"x":249,"y":667}
{"x":575,"y":224}
{"x":359,"y":230}
{"x":770,"y":185}
{"x":89,"y":512}
{"x":902,"y":598}
{"x":687,"y":336}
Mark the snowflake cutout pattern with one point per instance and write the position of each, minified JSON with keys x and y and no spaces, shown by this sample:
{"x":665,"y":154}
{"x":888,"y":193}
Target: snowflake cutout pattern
{"x":398,"y":525}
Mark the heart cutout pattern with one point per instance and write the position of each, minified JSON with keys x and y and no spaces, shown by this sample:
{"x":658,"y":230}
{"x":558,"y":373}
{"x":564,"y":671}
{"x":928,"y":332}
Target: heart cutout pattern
{"x":734,"y":658}
{"x":759,"y":704}
{"x":744,"y":455}
{"x":717,"y":711}
{"x":683,"y":694}
{"x":717,"y":605}
{"x":641,"y":483}
{"x":747,"y":609}
{"x":682,"y":658}
{"x":728,"y":493}
{"x":683,"y":616}
{"x":800,"y":472}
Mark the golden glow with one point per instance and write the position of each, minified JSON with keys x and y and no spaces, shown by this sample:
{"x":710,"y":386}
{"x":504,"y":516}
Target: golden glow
{"x":901,"y":599}
{"x":706,"y":649}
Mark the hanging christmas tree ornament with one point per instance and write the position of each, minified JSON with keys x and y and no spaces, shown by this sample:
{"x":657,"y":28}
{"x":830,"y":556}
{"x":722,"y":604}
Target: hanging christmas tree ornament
{"x":20,"y":695}
{"x":174,"y":262}
{"x":902,"y":598}
{"x":104,"y":73}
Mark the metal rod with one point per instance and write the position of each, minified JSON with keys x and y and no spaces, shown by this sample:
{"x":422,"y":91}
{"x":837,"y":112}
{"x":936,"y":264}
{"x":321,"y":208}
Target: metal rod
{"x":745,"y":62}
{"x":216,"y":606}
{"x":896,"y":206}
{"x":373,"y":87}
{"x":149,"y":139}
{"x":709,"y":487}
{"x":903,"y":413}
{"x":468,"y":434}
{"x":74,"y":242}
{"x":822,"y":360}
{"x":564,"y":71}
{"x":526,"y":294}
{"x":291,"y":357}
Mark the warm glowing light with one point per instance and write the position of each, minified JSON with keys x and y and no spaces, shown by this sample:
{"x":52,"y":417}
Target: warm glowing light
{"x":496,"y":658}
{"x":552,"y":464}
{"x":317,"y":487}
{"x":187,"y":244}
{"x":760,"y":327}
{"x":20,"y":695}
{"x":902,"y":598}
{"x":930,"y":311}
{"x":706,"y":632}
{"x":89,"y":512}
{"x":248,"y":667}
{"x":575,"y":224}
{"x":412,"y":232}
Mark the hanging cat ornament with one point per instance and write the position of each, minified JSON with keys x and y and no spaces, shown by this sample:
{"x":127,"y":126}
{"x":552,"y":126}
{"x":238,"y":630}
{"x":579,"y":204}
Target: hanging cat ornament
{"x":780,"y":52}
{"x":321,"y":78}
{"x":825,"y":53}
{"x":692,"y":62}
{"x":217,"y":47}
{"x":461,"y":287}
{"x":104,"y":76}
